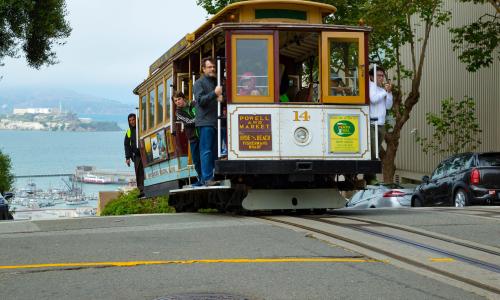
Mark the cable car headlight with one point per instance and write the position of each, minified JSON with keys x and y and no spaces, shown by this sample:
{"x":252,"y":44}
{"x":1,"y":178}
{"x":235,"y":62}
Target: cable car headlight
{"x":301,"y":135}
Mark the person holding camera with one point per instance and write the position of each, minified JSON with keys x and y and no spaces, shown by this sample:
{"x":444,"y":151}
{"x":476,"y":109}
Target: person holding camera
{"x":380,"y":101}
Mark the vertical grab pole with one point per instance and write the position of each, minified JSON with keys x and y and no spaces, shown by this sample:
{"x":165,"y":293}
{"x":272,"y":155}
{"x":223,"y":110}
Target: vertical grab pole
{"x":171,"y":109}
{"x":376,"y":122}
{"x":137,"y":127}
{"x":218,"y":111}
{"x":192,"y":86}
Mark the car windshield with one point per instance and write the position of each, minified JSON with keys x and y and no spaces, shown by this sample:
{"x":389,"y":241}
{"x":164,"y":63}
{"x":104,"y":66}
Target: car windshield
{"x":489,"y":160}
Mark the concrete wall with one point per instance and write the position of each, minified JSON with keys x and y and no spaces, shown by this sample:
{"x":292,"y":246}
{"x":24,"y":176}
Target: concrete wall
{"x":104,"y":198}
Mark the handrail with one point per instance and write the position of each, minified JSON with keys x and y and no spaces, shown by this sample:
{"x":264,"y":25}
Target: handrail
{"x":375,"y":123}
{"x":218,"y":111}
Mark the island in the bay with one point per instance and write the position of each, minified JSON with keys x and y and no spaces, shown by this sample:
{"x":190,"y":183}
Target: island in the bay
{"x":51,"y":119}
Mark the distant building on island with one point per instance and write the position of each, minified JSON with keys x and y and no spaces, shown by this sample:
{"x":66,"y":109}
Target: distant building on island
{"x":52,"y":119}
{"x":85,"y":120}
{"x":34,"y":110}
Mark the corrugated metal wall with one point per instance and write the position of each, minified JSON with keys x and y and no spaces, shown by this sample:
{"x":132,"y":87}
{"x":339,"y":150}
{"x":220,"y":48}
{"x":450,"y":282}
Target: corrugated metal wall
{"x":444,"y":76}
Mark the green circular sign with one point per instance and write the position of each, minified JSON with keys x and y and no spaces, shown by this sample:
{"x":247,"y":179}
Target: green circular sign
{"x":344,"y":128}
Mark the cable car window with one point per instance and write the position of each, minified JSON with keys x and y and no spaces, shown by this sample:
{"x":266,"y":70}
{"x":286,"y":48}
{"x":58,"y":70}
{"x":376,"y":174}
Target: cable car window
{"x":343,"y":69}
{"x":159,"y":119}
{"x":298,"y":66}
{"x":151,"y":108}
{"x":253,"y":68}
{"x":343,"y":58}
{"x":143,"y":112}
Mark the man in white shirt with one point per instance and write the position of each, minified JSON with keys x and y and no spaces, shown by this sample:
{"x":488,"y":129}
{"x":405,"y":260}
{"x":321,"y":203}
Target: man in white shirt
{"x":380,"y":102}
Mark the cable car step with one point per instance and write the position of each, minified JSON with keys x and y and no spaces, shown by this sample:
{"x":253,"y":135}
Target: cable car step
{"x":224,"y":185}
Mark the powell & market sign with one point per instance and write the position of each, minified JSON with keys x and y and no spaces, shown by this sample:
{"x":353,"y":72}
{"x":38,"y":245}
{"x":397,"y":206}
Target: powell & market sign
{"x":255,"y":132}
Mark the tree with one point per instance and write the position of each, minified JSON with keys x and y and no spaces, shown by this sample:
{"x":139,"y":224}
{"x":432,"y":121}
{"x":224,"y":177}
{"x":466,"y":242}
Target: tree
{"x":6,"y":177}
{"x":34,"y":27}
{"x":456,"y":128}
{"x":479,"y":41}
{"x":213,"y":6}
{"x":395,"y":29}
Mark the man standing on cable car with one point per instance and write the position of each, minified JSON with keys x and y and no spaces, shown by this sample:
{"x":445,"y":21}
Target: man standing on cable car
{"x":206,"y":94}
{"x":380,"y":102}
{"x":132,"y":153}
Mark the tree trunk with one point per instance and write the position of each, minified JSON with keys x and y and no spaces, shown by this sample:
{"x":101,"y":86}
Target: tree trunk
{"x":388,"y":164}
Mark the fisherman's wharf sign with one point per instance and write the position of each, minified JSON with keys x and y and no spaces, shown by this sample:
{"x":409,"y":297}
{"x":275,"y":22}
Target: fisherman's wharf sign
{"x":255,"y":132}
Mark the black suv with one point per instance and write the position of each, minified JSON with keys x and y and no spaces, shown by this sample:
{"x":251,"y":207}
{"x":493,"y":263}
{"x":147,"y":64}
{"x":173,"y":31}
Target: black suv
{"x":461,"y":180}
{"x":4,"y":207}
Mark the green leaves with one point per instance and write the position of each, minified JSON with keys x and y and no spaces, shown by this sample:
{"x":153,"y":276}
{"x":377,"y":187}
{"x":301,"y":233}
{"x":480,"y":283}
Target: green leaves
{"x":127,"y":204}
{"x":456,"y":128}
{"x":34,"y":27}
{"x":214,"y":6}
{"x":478,"y":42}
{"x":6,"y":177}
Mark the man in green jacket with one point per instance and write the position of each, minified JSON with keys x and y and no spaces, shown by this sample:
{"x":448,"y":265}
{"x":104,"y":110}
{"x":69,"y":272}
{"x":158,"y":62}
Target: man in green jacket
{"x":133,"y":153}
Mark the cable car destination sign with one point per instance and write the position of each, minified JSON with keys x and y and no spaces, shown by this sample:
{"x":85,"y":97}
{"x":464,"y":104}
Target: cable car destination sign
{"x":255,"y":132}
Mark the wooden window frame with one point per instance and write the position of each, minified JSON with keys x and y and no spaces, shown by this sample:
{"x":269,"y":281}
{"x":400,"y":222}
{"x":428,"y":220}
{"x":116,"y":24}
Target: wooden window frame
{"x":157,"y":101}
{"x":325,"y":67}
{"x":270,"y":68}
{"x":151,"y":89}
{"x":140,"y":117}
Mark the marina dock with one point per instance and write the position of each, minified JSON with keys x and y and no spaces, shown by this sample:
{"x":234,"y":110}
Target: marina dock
{"x":89,"y":174}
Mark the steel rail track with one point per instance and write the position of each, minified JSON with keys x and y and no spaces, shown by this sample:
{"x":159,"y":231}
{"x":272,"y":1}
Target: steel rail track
{"x":429,"y":235}
{"x":406,"y":260}
{"x":471,"y":261}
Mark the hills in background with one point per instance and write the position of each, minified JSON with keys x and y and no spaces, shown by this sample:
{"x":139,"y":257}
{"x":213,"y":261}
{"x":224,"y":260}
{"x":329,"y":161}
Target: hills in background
{"x":78,"y":103}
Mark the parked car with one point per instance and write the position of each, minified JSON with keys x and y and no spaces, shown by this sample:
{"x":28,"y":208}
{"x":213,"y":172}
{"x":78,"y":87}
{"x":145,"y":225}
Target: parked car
{"x":461,"y":180}
{"x":381,"y":195}
{"x":4,"y":208}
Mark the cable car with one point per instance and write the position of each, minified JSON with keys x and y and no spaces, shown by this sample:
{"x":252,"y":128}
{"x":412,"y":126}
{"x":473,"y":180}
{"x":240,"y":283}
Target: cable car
{"x":296,"y":97}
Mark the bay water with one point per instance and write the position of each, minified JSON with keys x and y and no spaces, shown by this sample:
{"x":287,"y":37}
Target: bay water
{"x":60,"y":152}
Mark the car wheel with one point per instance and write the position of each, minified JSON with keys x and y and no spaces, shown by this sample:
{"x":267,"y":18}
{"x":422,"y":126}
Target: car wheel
{"x":416,"y":202}
{"x":461,"y":198}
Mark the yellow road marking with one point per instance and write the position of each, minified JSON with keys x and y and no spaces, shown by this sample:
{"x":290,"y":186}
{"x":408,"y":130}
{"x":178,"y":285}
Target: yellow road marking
{"x":445,"y":259}
{"x":194,"y":261}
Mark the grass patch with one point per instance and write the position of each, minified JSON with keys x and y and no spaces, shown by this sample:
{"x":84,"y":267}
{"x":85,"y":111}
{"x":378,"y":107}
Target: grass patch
{"x":129,"y":204}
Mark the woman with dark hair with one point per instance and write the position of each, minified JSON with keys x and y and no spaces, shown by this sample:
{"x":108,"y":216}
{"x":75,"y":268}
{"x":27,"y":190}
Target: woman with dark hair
{"x":186,"y":114}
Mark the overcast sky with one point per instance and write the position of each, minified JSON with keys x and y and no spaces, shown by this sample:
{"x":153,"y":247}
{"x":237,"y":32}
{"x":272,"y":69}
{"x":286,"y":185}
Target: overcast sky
{"x":112,"y":44}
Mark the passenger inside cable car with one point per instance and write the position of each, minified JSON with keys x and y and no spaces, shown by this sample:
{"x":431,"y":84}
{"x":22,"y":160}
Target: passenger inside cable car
{"x":247,"y":86}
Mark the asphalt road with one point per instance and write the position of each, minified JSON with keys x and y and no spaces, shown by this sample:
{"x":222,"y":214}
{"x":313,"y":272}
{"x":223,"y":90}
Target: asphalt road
{"x":195,"y":253}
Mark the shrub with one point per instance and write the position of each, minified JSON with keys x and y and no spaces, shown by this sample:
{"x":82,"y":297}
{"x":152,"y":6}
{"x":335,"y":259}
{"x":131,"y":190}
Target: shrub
{"x":128,"y":204}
